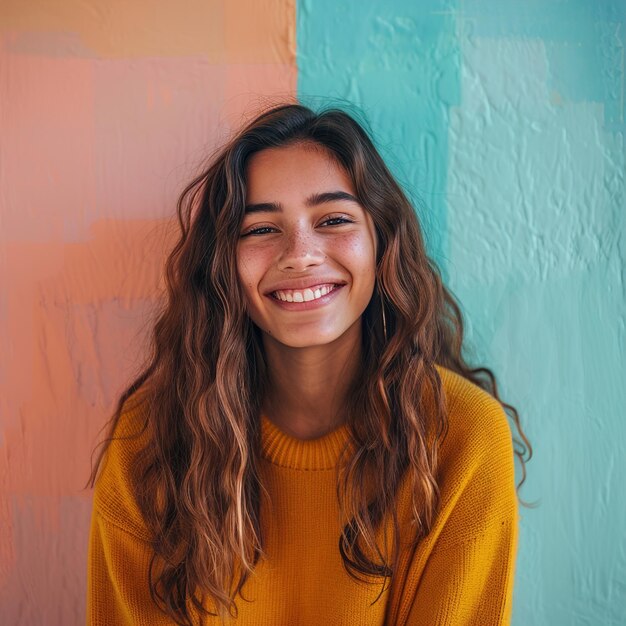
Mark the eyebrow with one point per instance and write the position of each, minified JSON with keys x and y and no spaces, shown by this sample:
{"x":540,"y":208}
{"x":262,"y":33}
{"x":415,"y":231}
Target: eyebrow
{"x":314,"y":199}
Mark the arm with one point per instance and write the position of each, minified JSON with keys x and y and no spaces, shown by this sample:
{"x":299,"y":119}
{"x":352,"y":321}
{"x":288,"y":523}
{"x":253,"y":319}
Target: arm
{"x":119,"y":550}
{"x":117,"y":581}
{"x":469,"y":575}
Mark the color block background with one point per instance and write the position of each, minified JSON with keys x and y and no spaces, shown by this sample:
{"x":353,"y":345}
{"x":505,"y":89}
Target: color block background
{"x":503,"y":120}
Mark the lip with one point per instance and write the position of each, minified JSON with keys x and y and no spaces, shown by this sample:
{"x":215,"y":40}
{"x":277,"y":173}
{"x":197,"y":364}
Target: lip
{"x":303,"y":283}
{"x":306,"y":306}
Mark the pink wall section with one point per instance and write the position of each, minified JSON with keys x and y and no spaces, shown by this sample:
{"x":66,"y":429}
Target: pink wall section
{"x":107,"y":108}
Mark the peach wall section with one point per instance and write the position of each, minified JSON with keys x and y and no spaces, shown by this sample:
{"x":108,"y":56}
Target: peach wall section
{"x":107,"y":109}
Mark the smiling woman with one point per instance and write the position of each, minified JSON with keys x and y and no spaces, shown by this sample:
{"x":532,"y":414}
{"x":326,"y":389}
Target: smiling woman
{"x":312,"y":236}
{"x":306,"y":444}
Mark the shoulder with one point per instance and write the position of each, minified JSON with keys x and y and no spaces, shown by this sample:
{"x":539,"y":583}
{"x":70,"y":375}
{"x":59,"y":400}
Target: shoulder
{"x":473,"y":413}
{"x":114,"y":495}
{"x":476,"y":465}
{"x":479,"y":436}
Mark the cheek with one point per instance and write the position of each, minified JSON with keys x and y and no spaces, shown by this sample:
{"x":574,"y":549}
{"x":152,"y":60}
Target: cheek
{"x":251,"y":264}
{"x":359,"y":253}
{"x":353,"y":244}
{"x":245,"y":272}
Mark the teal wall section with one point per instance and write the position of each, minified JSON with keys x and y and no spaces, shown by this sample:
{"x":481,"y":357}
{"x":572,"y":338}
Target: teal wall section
{"x":505,"y":122}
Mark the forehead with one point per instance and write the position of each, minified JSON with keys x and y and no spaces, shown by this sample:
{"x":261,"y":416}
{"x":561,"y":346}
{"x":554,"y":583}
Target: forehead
{"x":295,"y":169}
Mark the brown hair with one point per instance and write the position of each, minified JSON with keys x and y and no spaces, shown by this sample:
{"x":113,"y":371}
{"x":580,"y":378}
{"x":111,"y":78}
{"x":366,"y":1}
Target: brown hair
{"x":204,"y":381}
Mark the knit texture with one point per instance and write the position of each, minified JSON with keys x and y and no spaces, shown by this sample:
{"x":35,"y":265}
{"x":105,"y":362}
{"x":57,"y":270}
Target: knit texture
{"x":460,"y":574}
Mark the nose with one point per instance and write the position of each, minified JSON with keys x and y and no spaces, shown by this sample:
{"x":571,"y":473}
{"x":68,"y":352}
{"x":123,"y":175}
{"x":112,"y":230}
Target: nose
{"x":301,"y":251}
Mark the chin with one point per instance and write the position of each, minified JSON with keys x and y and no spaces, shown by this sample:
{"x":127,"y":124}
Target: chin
{"x":306,"y":340}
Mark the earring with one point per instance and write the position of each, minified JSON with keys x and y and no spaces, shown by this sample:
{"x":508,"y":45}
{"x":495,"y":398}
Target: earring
{"x":384,"y":321}
{"x":382,"y":309}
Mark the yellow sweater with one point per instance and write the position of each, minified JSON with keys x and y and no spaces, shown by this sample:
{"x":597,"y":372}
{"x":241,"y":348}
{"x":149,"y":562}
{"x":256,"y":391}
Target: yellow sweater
{"x":460,"y":574}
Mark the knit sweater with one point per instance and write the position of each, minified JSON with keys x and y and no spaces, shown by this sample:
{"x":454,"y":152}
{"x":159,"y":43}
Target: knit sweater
{"x":461,"y":573}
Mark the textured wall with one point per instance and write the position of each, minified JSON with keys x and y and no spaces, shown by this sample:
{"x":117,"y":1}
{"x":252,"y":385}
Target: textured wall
{"x":507,"y":119}
{"x":107,"y":108}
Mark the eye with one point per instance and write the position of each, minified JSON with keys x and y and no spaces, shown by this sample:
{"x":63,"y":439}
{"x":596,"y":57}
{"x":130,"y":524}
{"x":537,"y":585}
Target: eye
{"x":341,"y":220}
{"x":337,"y":221}
{"x":256,"y":231}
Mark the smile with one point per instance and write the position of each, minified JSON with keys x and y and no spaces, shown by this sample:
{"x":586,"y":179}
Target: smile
{"x":305,"y":295}
{"x":315,"y":297}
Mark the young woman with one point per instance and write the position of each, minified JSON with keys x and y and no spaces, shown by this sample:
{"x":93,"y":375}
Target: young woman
{"x":306,"y":444}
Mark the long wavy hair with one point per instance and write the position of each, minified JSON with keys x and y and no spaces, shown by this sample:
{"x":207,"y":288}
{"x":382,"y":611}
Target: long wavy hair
{"x":197,"y":480}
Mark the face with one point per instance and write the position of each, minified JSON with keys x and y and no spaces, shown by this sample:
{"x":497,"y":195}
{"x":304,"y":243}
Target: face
{"x":306,"y":256}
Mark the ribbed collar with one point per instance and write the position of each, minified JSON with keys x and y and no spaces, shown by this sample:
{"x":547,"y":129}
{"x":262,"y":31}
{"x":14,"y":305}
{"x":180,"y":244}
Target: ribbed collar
{"x":284,"y":450}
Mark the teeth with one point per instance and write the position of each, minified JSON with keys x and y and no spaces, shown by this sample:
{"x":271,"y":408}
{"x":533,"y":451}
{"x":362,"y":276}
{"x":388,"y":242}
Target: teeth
{"x":303,"y":296}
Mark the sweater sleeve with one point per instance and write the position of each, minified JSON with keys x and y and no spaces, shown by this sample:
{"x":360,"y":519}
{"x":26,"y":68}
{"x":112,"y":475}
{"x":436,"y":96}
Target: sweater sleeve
{"x":119,"y":550}
{"x":468,"y":577}
{"x":117,"y":582}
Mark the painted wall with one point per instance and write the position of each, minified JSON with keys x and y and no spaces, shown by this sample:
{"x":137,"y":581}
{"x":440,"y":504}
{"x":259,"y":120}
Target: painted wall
{"x":507,"y":119}
{"x":503,"y":120}
{"x":107,"y":109}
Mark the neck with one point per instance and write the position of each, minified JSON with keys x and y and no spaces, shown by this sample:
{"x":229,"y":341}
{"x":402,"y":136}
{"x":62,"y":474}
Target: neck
{"x":308,"y":386}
